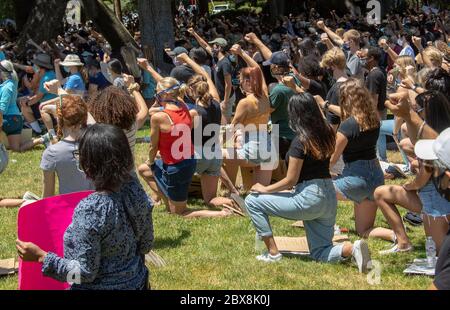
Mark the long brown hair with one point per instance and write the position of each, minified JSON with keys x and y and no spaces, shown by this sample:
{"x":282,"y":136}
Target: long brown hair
{"x":71,"y":112}
{"x":356,"y":101}
{"x":255,"y":77}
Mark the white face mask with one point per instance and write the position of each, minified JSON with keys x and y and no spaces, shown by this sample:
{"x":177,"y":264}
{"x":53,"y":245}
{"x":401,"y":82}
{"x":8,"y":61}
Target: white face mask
{"x":400,"y":42}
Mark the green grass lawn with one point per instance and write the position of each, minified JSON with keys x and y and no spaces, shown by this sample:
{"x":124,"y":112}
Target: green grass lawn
{"x":220,"y":254}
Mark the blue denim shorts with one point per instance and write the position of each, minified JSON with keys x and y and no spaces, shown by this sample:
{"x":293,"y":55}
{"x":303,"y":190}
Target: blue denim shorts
{"x":174,"y":180}
{"x":434,"y":205}
{"x":12,"y":124}
{"x":210,"y":167}
{"x":359,"y":180}
{"x":255,"y":150}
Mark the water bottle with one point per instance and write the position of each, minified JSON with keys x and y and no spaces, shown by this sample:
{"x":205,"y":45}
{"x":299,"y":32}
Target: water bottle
{"x":260,"y":246}
{"x":430,"y":247}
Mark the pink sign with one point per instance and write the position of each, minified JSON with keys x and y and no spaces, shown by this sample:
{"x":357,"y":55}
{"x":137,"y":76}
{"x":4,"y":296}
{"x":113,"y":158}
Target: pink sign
{"x":44,"y":223}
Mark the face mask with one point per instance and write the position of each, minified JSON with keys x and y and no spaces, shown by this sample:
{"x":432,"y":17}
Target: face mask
{"x":66,"y":69}
{"x":346,"y":47}
{"x":233,"y":58}
{"x":176,"y":62}
{"x":364,"y":62}
{"x":400,"y":42}
{"x":36,"y":69}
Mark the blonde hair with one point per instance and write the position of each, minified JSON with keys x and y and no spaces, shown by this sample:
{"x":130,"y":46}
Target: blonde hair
{"x":201,"y":89}
{"x":356,"y":101}
{"x":340,"y":32}
{"x":403,"y":62}
{"x":334,"y":57}
{"x":434,"y":55}
{"x":11,"y":75}
{"x":169,"y":84}
{"x":353,"y":35}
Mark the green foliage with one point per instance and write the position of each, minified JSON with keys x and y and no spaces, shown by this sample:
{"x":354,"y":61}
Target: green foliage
{"x":6,"y":9}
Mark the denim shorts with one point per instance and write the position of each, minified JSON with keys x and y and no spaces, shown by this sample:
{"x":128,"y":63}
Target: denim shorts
{"x":174,"y":180}
{"x":359,"y":180}
{"x":12,"y":124}
{"x":210,"y":167}
{"x":255,"y":150}
{"x":434,"y":205}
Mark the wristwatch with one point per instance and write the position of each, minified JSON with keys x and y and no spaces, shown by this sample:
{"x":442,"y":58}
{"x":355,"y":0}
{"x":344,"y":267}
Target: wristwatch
{"x":326,"y":107}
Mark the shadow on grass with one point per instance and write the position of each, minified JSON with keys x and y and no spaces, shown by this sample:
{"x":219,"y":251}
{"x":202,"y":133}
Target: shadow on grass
{"x":163,"y":243}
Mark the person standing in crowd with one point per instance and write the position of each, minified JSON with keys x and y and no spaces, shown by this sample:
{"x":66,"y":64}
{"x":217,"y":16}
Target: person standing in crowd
{"x":313,"y":199}
{"x":404,"y":41}
{"x":59,"y":159}
{"x":112,"y":227}
{"x":182,"y":72}
{"x":222,"y":73}
{"x":10,"y":116}
{"x":334,"y":60}
{"x":43,"y":67}
{"x":148,"y":83}
{"x":350,"y":44}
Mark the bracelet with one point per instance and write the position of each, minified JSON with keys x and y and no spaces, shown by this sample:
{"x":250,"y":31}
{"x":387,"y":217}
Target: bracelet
{"x":419,"y":134}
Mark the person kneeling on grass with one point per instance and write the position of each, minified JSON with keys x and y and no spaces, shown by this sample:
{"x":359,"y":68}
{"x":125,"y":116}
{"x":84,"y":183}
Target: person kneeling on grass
{"x":313,"y":199}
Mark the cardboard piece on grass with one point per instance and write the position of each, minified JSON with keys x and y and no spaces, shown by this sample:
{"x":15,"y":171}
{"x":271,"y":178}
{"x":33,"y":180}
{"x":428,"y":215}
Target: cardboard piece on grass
{"x":8,"y":267}
{"x":44,"y":223}
{"x":299,"y":224}
{"x":299,"y":246}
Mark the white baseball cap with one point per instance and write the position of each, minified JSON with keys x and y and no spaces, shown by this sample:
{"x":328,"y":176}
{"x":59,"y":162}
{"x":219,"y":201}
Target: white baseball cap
{"x":435,"y":150}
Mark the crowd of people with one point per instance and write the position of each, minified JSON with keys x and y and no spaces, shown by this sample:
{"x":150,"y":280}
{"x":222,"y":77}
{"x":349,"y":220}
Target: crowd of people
{"x":304,"y":107}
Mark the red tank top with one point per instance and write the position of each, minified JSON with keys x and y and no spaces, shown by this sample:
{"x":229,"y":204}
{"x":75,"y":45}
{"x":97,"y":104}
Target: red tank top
{"x":180,"y":135}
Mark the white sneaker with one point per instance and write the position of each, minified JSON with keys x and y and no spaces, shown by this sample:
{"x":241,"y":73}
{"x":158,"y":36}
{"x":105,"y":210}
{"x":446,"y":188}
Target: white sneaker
{"x":395,"y":249}
{"x":267,"y":258}
{"x":361,"y":254}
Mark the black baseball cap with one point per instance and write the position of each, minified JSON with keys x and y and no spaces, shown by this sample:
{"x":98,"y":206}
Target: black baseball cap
{"x":279,"y":59}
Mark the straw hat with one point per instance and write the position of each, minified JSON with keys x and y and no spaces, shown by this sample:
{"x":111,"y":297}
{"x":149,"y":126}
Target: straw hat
{"x":72,"y":61}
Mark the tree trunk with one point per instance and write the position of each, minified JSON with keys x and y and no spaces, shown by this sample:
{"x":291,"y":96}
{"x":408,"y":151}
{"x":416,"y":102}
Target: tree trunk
{"x":22,"y":10}
{"x":118,"y":9}
{"x":156,"y":22}
{"x":45,"y":22}
{"x":107,"y":24}
{"x":203,"y":6}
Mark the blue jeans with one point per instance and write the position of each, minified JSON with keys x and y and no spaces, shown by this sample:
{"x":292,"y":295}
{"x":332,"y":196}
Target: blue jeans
{"x":314,"y":202}
{"x":359,"y":180}
{"x":434,"y":205}
{"x":387,"y":129}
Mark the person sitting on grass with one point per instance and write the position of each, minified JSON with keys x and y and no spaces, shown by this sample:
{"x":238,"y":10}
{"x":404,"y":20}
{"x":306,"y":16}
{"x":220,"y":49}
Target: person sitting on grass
{"x":58,"y":159}
{"x":112,"y":229}
{"x":11,"y":119}
{"x":307,"y":192}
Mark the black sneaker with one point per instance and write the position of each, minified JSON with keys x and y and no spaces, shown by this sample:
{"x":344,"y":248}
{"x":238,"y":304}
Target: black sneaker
{"x":413,"y":218}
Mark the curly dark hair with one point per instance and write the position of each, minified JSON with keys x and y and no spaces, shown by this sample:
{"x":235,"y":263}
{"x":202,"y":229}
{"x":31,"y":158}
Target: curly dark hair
{"x":438,"y":80}
{"x":105,"y":156}
{"x":114,"y":106}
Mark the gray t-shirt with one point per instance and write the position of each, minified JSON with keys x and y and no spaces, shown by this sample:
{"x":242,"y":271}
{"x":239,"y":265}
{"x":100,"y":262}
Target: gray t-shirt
{"x":59,"y":158}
